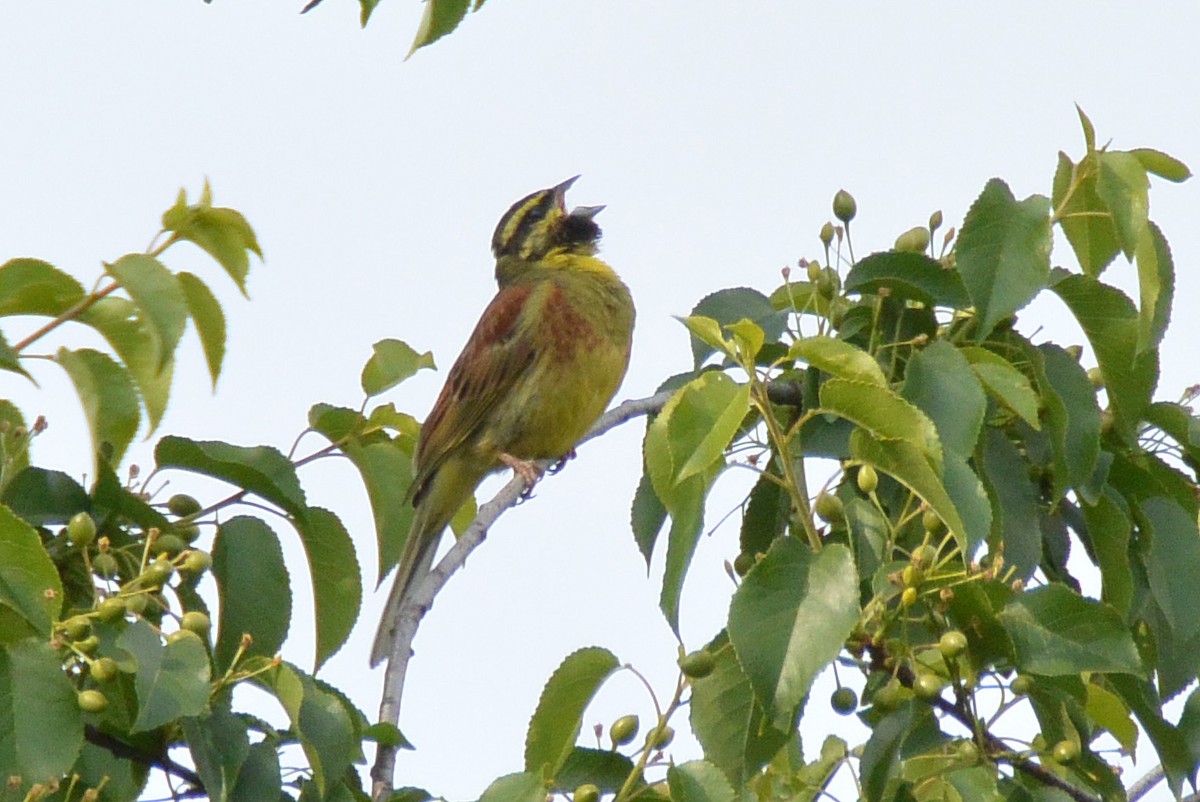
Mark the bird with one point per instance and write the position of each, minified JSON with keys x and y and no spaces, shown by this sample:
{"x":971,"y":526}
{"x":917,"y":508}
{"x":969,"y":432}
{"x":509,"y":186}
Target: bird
{"x":542,"y":364}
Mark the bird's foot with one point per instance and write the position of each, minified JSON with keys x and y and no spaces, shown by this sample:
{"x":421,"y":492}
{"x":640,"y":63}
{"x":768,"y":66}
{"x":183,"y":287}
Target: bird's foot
{"x":561,"y":462}
{"x":527,"y":470}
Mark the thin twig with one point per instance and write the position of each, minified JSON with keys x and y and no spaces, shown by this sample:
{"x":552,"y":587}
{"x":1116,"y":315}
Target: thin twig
{"x":409,"y":616}
{"x":1142,"y":787}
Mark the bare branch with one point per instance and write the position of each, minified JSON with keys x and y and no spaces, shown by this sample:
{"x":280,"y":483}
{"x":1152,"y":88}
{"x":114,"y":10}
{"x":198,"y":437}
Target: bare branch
{"x":425,"y":590}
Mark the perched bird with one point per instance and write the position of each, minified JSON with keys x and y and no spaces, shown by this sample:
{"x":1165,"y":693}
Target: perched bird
{"x":545,"y":359}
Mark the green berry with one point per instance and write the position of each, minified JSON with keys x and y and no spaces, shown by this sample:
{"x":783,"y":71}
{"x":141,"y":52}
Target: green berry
{"x":110,"y":609}
{"x":844,"y":206}
{"x":136,"y":604}
{"x":182,"y":635}
{"x":168,"y":544}
{"x":1021,"y":685}
{"x":188,"y":532}
{"x":183,"y":505}
{"x":915,"y":240}
{"x":935,"y":220}
{"x":92,"y":701}
{"x":844,"y":701}
{"x":1096,"y":377}
{"x":157,"y":573}
{"x":813,"y":271}
{"x":827,"y":234}
{"x":952,"y":644}
{"x":828,"y":282}
{"x":81,"y":529}
{"x":196,"y":562}
{"x":105,"y":565}
{"x":909,"y":597}
{"x":586,"y":793}
{"x":660,"y":738}
{"x":889,"y":696}
{"x":743,"y":563}
{"x":77,"y":627}
{"x":829,"y":507}
{"x":927,"y":686}
{"x":104,"y":669}
{"x":88,"y":644}
{"x":698,"y":664}
{"x":624,"y":730}
{"x":924,"y":555}
{"x":867,"y":479}
{"x":196,"y":621}
{"x":933,"y":523}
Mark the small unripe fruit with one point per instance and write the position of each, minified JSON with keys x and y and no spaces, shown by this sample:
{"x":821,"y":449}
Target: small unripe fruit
{"x":828,"y":283}
{"x":1021,"y":685}
{"x":889,"y":696}
{"x":182,"y":505}
{"x":933,"y":523}
{"x":88,"y":644}
{"x":1096,"y":377}
{"x":624,"y":730}
{"x":911,"y":576}
{"x":844,"y":701}
{"x":827,"y":234}
{"x":81,"y":529}
{"x":1066,"y":751}
{"x":92,"y":701}
{"x":813,"y":271}
{"x":867,"y":479}
{"x":77,"y":627}
{"x":196,"y":562}
{"x":927,"y":686}
{"x":104,"y":669}
{"x":844,"y":206}
{"x":157,"y":573}
{"x":909,"y":597}
{"x":587,"y":793}
{"x":743,"y":563}
{"x":110,"y":609}
{"x":660,"y":738}
{"x":935,"y":220}
{"x":924,"y":555}
{"x":196,"y":621}
{"x":187,"y":532}
{"x":698,"y":664}
{"x":136,"y":604}
{"x":915,"y":240}
{"x":181,"y":635}
{"x":168,"y":544}
{"x":829,"y":507}
{"x":952,"y":644}
{"x":105,"y":565}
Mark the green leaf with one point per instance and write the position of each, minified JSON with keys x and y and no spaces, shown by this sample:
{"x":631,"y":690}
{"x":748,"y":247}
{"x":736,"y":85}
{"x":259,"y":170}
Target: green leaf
{"x":110,"y":403}
{"x":1089,"y":131}
{"x":14,"y":444}
{"x":172,"y":679}
{"x":34,"y":287}
{"x":1109,"y":528}
{"x":253,"y":587}
{"x":1108,"y":711}
{"x":42,"y":497}
{"x":1156,"y":287}
{"x":789,"y":619}
{"x":686,"y":506}
{"x":1072,"y":415}
{"x":525,"y":786}
{"x":604,"y":768}
{"x":728,"y":720}
{"x":904,"y":463}
{"x":336,"y":581}
{"x":908,"y":277}
{"x":1057,"y":632}
{"x":10,"y":361}
{"x":1003,"y":253}
{"x":749,"y":338}
{"x":41,"y":719}
{"x":884,"y":414}
{"x":137,"y":346}
{"x":707,"y":338}
{"x":1169,"y":545}
{"x":392,"y":362}
{"x":838,"y":358}
{"x":1014,"y":504}
{"x":940,"y":382}
{"x":223,"y":233}
{"x":320,"y":719}
{"x":881,"y":753}
{"x":440,"y":18}
{"x":1123,"y":186}
{"x":699,"y":781}
{"x":386,"y":471}
{"x":209,"y":320}
{"x":647,"y":516}
{"x":1005,"y":383}
{"x":1083,"y":216}
{"x":262,"y":470}
{"x":219,"y":745}
{"x":1162,"y":165}
{"x":729,"y":306}
{"x":556,"y":722}
{"x":693,"y":430}
{"x":766,"y":514}
{"x":1168,"y":740}
{"x":29,"y":583}
{"x":158,"y":296}
{"x":1110,"y":322}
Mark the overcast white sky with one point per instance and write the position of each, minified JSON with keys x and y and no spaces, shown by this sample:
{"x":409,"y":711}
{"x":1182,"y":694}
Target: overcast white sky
{"x":716,"y":133}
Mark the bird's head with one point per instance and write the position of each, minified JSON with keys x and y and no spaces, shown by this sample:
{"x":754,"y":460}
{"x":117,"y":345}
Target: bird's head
{"x":539,"y":223}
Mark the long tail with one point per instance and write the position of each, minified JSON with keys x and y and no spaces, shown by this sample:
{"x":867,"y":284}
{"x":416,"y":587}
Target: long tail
{"x":414,"y":565}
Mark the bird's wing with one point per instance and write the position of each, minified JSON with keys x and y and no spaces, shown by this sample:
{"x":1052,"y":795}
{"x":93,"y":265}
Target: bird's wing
{"x":495,"y":357}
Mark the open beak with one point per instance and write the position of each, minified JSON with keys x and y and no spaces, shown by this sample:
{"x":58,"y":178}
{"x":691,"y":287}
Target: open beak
{"x":560,"y":191}
{"x":587,"y":211}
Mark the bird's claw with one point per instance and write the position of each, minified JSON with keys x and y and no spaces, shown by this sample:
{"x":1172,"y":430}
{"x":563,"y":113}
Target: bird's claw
{"x":561,"y":462}
{"x":529,"y":471}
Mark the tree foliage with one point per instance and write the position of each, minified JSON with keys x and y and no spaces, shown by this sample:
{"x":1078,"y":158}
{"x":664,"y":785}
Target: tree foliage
{"x":996,"y":528}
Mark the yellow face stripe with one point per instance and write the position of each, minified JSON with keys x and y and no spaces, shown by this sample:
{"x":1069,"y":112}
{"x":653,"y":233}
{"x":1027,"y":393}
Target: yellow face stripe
{"x":518,"y":222}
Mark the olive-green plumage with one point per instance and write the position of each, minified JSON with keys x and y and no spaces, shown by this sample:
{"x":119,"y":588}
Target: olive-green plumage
{"x":545,"y":359}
